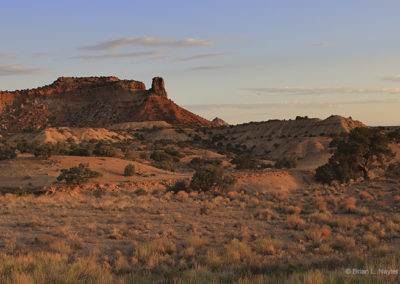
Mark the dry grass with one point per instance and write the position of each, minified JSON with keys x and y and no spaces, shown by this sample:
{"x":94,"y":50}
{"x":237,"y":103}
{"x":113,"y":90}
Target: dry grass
{"x":127,"y":236}
{"x":343,"y":243}
{"x":295,"y":222}
{"x":349,"y":204}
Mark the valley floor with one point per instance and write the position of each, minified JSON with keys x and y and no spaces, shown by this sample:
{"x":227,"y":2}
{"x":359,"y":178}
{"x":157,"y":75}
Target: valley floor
{"x":296,"y":232}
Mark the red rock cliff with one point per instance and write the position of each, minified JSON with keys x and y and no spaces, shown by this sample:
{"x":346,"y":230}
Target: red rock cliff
{"x":91,"y":102}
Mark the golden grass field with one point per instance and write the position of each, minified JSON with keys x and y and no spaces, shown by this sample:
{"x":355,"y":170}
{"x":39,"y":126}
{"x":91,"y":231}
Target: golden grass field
{"x":272,"y":226}
{"x":123,"y":234}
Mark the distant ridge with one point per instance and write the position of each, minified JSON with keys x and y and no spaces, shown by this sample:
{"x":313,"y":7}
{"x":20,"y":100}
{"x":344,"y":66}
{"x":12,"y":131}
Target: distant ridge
{"x":92,"y":102}
{"x":219,"y":122}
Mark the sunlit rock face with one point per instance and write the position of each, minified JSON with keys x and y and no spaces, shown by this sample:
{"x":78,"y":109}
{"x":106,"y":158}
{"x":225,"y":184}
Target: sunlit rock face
{"x":91,"y":102}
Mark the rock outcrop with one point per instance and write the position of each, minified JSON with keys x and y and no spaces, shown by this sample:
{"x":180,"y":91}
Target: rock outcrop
{"x":158,"y":87}
{"x":91,"y":102}
{"x":219,"y":122}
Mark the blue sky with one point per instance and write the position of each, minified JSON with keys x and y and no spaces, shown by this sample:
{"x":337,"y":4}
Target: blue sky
{"x":239,"y":60}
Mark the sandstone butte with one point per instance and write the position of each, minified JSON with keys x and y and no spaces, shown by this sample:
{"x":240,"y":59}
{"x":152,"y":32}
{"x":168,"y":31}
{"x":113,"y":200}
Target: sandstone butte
{"x":92,"y":102}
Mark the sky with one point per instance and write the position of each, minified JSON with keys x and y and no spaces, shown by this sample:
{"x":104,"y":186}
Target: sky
{"x":239,"y":60}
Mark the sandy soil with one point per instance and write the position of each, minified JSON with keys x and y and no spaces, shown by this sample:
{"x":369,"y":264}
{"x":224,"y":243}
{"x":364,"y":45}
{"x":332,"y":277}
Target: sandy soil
{"x":28,"y":171}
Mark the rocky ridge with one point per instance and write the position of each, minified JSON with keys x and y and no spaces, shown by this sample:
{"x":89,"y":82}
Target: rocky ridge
{"x":219,"y":122}
{"x":91,"y":102}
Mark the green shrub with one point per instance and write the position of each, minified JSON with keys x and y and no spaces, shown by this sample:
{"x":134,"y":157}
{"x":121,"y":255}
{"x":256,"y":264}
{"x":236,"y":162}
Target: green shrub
{"x":130,"y":155}
{"x":393,"y":170}
{"x":7,"y":152}
{"x":78,"y":175}
{"x":81,"y":149}
{"x":45,"y":151}
{"x":246,"y":161}
{"x":165,"y":165}
{"x":27,"y":147}
{"x":105,"y":149}
{"x":163,"y":160}
{"x":160,"y":156}
{"x":174,"y":153}
{"x":394,"y":136}
{"x":129,"y":170}
{"x":354,"y":155}
{"x":197,"y":162}
{"x":287,"y":162}
{"x":210,"y":178}
{"x":180,"y":185}
{"x":325,"y":173}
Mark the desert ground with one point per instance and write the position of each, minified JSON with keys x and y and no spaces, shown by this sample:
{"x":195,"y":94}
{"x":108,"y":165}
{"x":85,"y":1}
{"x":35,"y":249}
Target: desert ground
{"x":273,"y":225}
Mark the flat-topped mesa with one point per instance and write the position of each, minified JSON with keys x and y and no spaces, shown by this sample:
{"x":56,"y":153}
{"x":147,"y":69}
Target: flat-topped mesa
{"x":90,"y":82}
{"x":158,"y":87}
{"x":91,"y":102}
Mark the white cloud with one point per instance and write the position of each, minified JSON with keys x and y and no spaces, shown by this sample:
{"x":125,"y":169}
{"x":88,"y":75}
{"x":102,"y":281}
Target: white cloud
{"x":5,"y":54}
{"x":323,"y":90}
{"x":262,"y":105}
{"x":160,"y":57}
{"x":8,"y":70}
{"x":115,"y":44}
{"x":198,"y":68}
{"x":120,"y":55}
{"x":203,"y":56}
{"x":394,"y":78}
{"x":41,"y":54}
{"x":324,"y":44}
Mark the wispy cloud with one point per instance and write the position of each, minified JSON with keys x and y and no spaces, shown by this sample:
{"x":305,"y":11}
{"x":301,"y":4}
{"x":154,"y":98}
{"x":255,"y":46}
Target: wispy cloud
{"x":199,"y":68}
{"x":323,"y":90}
{"x":120,"y":55}
{"x":261,"y":105}
{"x":203,"y":56}
{"x":41,"y":54}
{"x":5,"y":54}
{"x":324,"y":44}
{"x":115,"y":44}
{"x":160,"y":57}
{"x":8,"y":70}
{"x":394,"y":78}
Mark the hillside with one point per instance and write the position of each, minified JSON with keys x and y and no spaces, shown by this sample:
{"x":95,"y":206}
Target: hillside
{"x":305,"y":138}
{"x":91,"y":102}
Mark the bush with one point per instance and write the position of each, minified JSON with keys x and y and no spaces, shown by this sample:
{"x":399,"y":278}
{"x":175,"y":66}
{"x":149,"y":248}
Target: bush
{"x":342,"y":243}
{"x":45,"y":151}
{"x":81,"y":149}
{"x":78,"y":175}
{"x":130,"y":155}
{"x":295,"y":222}
{"x":180,"y":185}
{"x":165,"y":165}
{"x":7,"y":152}
{"x":174,"y":153}
{"x":325,"y":173}
{"x":246,"y":161}
{"x":160,"y":156}
{"x":211,"y":178}
{"x":354,"y":155}
{"x":105,"y":149}
{"x":287,"y":162}
{"x":394,"y":136}
{"x":197,"y":162}
{"x":393,"y":170}
{"x":163,"y":160}
{"x":129,"y":170}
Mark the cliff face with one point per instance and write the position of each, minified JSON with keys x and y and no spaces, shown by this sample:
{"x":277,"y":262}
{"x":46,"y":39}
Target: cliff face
{"x":91,"y":102}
